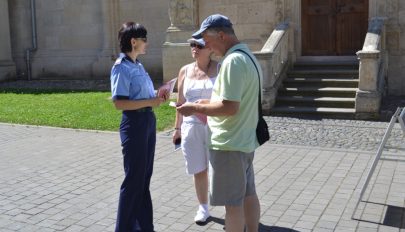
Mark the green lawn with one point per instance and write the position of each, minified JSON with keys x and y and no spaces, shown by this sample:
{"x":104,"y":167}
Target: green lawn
{"x":83,"y":110}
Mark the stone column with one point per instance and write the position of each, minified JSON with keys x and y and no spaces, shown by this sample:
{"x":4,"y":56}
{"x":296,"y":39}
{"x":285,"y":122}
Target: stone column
{"x":183,"y":22}
{"x":368,"y":97}
{"x":7,"y":66}
{"x":102,"y":66}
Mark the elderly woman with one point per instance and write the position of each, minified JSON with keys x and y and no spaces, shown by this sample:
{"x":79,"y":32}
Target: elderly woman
{"x":195,"y":84}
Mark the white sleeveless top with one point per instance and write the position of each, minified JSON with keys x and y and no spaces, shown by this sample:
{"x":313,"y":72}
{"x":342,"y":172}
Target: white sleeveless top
{"x":194,"y":90}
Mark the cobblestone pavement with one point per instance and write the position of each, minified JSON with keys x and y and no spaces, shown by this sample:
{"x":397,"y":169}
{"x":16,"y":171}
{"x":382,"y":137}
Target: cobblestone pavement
{"x":307,"y":179}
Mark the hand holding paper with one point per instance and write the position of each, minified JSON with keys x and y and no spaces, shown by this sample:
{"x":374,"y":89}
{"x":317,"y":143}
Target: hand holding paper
{"x":187,"y":110}
{"x":174,"y":104}
{"x":167,"y":88}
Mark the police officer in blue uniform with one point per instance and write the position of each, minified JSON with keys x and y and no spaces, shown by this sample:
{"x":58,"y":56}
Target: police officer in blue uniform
{"x":133,"y":93}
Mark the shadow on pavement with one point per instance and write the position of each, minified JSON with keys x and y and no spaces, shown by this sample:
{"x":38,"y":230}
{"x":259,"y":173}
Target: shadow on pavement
{"x":216,"y":220}
{"x":394,"y":216}
{"x":262,"y":227}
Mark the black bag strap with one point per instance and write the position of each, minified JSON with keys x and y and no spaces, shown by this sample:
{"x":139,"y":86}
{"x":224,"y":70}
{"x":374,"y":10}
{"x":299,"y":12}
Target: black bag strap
{"x":258,"y":75}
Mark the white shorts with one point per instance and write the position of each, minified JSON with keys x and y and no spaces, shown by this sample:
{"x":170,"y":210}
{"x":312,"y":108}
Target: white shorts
{"x":194,"y":138}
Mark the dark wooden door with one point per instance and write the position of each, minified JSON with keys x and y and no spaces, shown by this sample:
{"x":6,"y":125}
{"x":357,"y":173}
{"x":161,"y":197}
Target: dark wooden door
{"x":333,"y":27}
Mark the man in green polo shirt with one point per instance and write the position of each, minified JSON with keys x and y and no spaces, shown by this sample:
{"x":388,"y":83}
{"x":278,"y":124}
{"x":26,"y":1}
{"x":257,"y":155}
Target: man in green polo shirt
{"x":232,"y":119}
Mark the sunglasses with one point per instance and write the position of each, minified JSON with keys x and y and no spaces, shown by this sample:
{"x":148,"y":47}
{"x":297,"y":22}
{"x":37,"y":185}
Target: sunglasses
{"x":143,"y":39}
{"x":193,"y":45}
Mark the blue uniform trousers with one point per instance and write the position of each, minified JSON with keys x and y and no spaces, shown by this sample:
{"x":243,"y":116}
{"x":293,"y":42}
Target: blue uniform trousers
{"x":138,"y":140}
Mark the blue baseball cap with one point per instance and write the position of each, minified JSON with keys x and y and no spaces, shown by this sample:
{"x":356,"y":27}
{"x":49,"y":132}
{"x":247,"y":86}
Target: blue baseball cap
{"x":197,"y":41}
{"x":215,"y":20}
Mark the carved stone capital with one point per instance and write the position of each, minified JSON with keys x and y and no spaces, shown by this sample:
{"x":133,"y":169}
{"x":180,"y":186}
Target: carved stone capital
{"x":183,"y":14}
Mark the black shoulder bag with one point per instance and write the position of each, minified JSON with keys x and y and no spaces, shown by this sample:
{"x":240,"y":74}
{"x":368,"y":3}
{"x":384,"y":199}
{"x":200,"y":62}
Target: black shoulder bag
{"x":262,"y":130}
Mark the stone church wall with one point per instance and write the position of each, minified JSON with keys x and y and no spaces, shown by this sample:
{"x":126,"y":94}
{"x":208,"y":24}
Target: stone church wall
{"x":395,"y":34}
{"x":78,"y":39}
{"x":253,"y":22}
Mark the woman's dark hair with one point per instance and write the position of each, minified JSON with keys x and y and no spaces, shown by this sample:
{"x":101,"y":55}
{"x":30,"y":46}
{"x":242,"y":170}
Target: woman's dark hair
{"x":128,"y":31}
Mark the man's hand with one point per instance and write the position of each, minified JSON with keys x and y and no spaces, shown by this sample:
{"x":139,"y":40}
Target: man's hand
{"x":203,"y":101}
{"x":187,"y":109}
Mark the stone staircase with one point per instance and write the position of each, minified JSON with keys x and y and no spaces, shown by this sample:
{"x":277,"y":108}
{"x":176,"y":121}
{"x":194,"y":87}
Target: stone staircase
{"x":319,"y":86}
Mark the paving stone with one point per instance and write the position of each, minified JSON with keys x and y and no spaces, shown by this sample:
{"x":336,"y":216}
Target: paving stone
{"x":305,"y":225}
{"x":344,"y":229}
{"x":384,"y":228}
{"x":95,"y":228}
{"x":74,"y":228}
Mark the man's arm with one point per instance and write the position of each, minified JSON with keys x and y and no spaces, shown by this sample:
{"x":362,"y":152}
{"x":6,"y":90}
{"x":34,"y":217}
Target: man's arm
{"x":221,"y":108}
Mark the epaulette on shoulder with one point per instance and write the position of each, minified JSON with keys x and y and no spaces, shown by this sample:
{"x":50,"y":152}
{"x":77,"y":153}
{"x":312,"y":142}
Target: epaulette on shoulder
{"x":118,"y":60}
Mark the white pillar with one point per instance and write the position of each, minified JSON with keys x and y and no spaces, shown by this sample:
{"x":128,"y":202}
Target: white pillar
{"x":7,"y":66}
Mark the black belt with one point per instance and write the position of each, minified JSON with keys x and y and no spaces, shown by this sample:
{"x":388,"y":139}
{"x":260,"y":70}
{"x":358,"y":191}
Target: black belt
{"x":145,"y":109}
{"x":140,"y":110}
{"x":131,"y":113}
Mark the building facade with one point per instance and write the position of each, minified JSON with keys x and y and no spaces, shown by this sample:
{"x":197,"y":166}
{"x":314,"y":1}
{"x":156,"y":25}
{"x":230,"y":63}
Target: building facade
{"x":74,"y":39}
{"x":77,"y":39}
{"x":316,"y":29}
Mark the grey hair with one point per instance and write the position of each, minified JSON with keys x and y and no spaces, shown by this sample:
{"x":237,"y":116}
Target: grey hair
{"x":215,"y":30}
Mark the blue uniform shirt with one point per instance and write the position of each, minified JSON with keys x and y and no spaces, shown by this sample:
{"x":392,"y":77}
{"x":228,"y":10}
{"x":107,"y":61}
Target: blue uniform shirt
{"x":129,"y":80}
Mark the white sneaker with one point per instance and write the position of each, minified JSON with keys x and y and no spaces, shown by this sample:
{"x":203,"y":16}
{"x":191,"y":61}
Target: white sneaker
{"x":201,"y":217}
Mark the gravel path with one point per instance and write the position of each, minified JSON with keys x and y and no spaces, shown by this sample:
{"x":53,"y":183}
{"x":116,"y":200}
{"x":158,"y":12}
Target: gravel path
{"x":332,"y":133}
